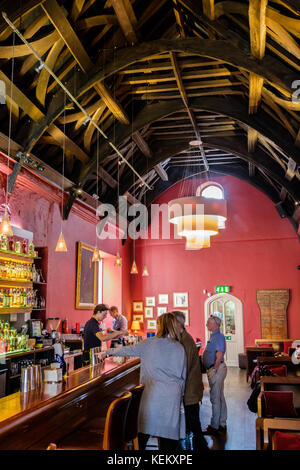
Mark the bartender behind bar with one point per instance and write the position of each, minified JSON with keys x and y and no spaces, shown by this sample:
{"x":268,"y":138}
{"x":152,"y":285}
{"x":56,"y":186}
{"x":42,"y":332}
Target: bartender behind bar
{"x":92,"y":334}
{"x":119,"y":324}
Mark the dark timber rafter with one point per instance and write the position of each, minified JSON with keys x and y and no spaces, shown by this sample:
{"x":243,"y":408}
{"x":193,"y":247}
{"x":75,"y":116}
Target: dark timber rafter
{"x":269,"y":68}
{"x":230,"y":107}
{"x":190,"y":112}
{"x":65,"y":30}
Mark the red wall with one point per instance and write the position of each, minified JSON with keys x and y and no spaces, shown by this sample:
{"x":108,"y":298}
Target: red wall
{"x":35,"y":206}
{"x":257,"y":250}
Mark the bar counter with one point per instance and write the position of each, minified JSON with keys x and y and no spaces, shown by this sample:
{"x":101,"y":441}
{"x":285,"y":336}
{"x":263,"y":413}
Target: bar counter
{"x":32,"y":420}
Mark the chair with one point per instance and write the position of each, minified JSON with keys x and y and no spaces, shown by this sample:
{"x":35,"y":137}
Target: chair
{"x":289,"y":426}
{"x":251,"y":354}
{"x":131,"y":427}
{"x":52,"y":446}
{"x":97,"y":424}
{"x":113,"y":437}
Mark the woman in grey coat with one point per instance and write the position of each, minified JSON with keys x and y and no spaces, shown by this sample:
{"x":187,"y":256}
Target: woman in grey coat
{"x":163,"y":372}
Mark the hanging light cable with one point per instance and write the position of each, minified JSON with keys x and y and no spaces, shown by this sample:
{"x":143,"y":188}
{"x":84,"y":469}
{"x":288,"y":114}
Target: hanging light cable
{"x":5,"y":225}
{"x":96,"y":254}
{"x":134,"y":269}
{"x":61,"y":243}
{"x":145,"y":272}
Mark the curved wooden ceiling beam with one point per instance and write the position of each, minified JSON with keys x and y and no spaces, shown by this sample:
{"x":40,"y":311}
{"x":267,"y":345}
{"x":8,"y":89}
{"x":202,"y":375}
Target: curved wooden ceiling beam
{"x":175,"y":176}
{"x":235,"y":145}
{"x":238,"y":55}
{"x":228,"y":106}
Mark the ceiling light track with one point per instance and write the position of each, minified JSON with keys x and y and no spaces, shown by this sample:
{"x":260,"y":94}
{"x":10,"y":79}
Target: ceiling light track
{"x":88,"y":118}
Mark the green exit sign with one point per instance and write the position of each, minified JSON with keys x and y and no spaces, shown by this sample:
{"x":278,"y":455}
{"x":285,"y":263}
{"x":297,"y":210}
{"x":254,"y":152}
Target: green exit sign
{"x":221,"y":289}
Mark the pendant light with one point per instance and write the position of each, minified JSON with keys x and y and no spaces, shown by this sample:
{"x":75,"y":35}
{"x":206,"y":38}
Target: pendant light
{"x":197,"y":228}
{"x":5,"y":225}
{"x":118,"y":260}
{"x":134,"y":269}
{"x":61,"y":243}
{"x":145,"y":271}
{"x":96,"y":254}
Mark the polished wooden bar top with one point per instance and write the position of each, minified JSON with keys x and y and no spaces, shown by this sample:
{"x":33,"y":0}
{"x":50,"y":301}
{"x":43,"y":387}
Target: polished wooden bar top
{"x":20,"y":404}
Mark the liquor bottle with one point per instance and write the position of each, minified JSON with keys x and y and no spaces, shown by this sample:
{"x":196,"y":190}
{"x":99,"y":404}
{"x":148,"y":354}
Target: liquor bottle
{"x":4,"y":242}
{"x":1,"y":302}
{"x":34,"y":273}
{"x":14,"y":298}
{"x":4,"y":299}
{"x":24,"y":298}
{"x":24,"y":247}
{"x":18,"y":246}
{"x":11,"y":244}
{"x":31,"y":249}
{"x":3,"y":274}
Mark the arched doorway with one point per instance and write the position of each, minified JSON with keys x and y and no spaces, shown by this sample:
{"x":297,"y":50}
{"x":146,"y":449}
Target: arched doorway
{"x":230,"y":310}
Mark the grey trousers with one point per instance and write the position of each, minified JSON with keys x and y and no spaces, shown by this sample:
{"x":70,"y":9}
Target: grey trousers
{"x":217,"y":398}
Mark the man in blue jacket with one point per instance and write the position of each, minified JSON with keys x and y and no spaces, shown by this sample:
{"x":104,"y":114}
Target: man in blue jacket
{"x":213,"y":360}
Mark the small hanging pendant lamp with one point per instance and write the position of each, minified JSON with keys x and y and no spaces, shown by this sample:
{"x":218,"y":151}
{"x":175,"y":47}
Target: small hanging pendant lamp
{"x":145,"y":271}
{"x":61,"y":243}
{"x":118,"y":260}
{"x":5,"y":226}
{"x":134,"y":269}
{"x":96,"y":255}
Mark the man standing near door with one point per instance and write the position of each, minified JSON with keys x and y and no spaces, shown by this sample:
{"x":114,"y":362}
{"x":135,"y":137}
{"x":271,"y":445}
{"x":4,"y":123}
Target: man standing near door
{"x":213,"y":361}
{"x":193,"y":387}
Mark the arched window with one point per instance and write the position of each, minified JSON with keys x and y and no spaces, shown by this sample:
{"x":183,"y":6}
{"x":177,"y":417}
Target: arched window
{"x":210,"y":190}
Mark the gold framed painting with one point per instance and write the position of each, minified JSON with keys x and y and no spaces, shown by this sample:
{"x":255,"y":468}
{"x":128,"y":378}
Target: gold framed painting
{"x":148,"y":312}
{"x":138,"y":307}
{"x":86,"y":277}
{"x":139,"y":318}
{"x":151,"y":325}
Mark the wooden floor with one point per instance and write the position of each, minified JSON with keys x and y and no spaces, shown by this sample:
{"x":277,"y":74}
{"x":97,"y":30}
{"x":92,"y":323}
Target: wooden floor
{"x":241,"y":422}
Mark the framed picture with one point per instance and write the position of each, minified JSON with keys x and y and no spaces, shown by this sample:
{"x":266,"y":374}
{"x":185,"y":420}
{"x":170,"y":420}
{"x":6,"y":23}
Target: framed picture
{"x":187,"y":318}
{"x":163,"y":298}
{"x":161,"y":310}
{"x":86,"y":277}
{"x":150,"y":301}
{"x":139,"y":318}
{"x":148,"y":312}
{"x":180,"y":299}
{"x":138,"y":307}
{"x":151,"y":324}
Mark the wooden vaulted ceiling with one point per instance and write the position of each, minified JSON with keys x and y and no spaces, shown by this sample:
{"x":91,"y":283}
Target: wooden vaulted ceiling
{"x":155,"y":75}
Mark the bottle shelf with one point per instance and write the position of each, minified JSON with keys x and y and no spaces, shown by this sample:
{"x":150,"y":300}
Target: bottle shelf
{"x":17,"y":256}
{"x":39,"y":283}
{"x":6,"y":310}
{"x":14,"y":283}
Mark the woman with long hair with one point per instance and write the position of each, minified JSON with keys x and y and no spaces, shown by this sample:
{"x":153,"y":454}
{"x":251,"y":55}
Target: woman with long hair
{"x":163,"y":373}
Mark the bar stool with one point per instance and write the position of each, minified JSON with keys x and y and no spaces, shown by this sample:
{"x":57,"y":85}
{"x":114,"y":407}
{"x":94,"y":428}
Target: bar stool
{"x":97,"y":424}
{"x":113,"y":437}
{"x":131,"y":427}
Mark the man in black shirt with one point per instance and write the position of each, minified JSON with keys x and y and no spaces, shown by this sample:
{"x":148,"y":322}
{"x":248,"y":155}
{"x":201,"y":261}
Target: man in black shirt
{"x":92,"y":334}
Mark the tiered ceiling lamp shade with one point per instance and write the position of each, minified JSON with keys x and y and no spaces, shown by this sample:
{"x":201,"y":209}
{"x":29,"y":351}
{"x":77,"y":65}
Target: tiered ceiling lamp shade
{"x":204,"y":218}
